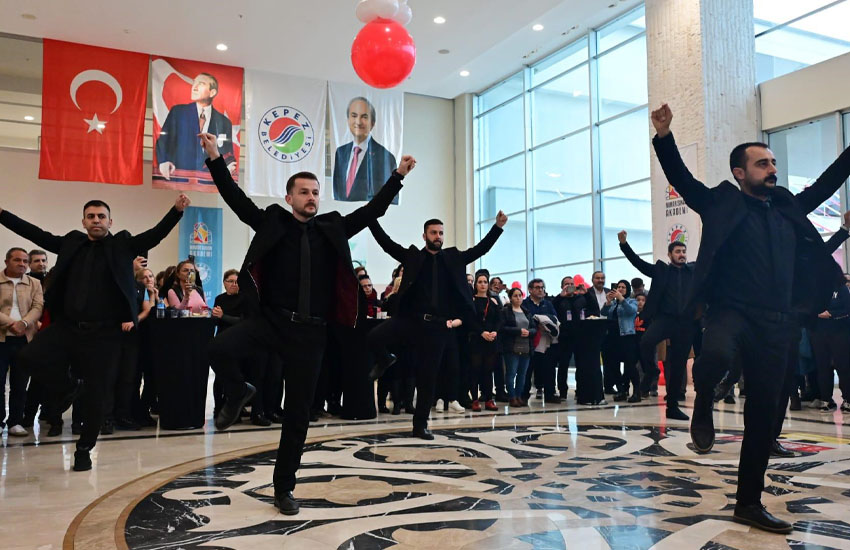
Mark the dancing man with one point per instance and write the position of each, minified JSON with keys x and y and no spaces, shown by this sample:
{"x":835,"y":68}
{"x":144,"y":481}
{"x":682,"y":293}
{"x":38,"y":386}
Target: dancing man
{"x":757,"y":239}
{"x":433,"y":298}
{"x":92,"y":291}
{"x":296,"y":276}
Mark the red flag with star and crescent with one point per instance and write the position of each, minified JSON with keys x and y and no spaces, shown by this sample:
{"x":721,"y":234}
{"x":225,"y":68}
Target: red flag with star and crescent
{"x":93,"y":113}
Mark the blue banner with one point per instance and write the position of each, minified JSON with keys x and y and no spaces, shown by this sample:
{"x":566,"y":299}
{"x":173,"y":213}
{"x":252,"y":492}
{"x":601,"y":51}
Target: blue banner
{"x":201,"y":236}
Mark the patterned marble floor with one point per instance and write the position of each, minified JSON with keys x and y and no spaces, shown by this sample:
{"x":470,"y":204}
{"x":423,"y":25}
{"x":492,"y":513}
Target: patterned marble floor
{"x":614,"y":477}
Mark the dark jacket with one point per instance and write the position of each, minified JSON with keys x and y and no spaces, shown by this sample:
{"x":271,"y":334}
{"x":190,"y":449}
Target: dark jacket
{"x":269,"y":224}
{"x":178,"y":141}
{"x":412,"y":259}
{"x":722,"y":208}
{"x":659,"y":272}
{"x":376,"y":167}
{"x":490,"y":318}
{"x":574,"y":304}
{"x":121,"y":249}
{"x":510,"y":332}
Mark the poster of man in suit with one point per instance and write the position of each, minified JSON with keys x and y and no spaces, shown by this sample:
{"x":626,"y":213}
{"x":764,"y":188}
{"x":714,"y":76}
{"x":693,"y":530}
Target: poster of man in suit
{"x":190,"y":98}
{"x":366,"y":138}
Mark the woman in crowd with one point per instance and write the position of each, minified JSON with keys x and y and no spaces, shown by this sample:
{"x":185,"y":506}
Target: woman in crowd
{"x":518,"y":330}
{"x":184,"y":293}
{"x":483,"y":349}
{"x":620,"y":306}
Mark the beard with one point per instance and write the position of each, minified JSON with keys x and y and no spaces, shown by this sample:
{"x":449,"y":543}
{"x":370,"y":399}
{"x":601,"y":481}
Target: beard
{"x":306,"y":213}
{"x":433,"y":245}
{"x":761,"y":187}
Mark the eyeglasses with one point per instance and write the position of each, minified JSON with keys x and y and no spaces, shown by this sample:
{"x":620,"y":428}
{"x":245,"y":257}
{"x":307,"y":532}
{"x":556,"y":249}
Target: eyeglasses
{"x":230,"y":281}
{"x":538,"y":287}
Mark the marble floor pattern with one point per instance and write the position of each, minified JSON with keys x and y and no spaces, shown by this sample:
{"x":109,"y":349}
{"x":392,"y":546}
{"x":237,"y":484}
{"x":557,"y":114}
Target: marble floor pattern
{"x":558,"y":477}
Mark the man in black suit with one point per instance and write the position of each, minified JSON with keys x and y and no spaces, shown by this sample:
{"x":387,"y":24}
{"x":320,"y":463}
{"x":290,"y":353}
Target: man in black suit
{"x":296,"y":277}
{"x":92,"y":291}
{"x":362,"y":166}
{"x":756,"y":238}
{"x":433,"y":298}
{"x":666,"y":307}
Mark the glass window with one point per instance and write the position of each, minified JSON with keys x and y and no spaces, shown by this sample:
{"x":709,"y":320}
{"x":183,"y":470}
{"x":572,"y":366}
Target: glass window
{"x":560,"y":106}
{"x":621,"y":30}
{"x":624,"y":149}
{"x":802,"y":154}
{"x":628,"y":208}
{"x":508,"y":254}
{"x":502,"y":187}
{"x":563,"y":233}
{"x":618,"y":94}
{"x":552,"y":275}
{"x":497,"y":95}
{"x":562,"y":169}
{"x":559,"y":62}
{"x":620,"y":268}
{"x":501,"y":132}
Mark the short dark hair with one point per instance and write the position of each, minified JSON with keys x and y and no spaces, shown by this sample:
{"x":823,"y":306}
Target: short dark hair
{"x":738,"y":156}
{"x":290,"y":183}
{"x":432,"y":221}
{"x":672,"y":246}
{"x":36,"y":252}
{"x":513,"y":290}
{"x":97,"y":204}
{"x":360,"y":268}
{"x":637,"y":282}
{"x":565,"y":278}
{"x":482,"y":273}
{"x":228,"y":273}
{"x":364,"y":100}
{"x":15,"y":249}
{"x":501,"y":282}
{"x":533,"y":282}
{"x":640,"y":295}
{"x":213,"y":83}
{"x":364,"y":276}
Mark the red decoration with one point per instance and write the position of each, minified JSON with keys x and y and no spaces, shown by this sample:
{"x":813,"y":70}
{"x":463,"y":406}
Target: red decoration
{"x":383,"y":53}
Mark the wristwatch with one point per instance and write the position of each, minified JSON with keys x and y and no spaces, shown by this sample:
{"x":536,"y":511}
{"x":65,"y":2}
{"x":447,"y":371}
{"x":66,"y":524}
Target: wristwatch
{"x":26,"y":325}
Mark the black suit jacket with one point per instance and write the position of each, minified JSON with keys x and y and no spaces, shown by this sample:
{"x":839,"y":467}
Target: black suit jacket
{"x":658,"y":272}
{"x":268,"y":223}
{"x":722,"y":208}
{"x":121,"y":248}
{"x":377,"y":166}
{"x":412,"y":259}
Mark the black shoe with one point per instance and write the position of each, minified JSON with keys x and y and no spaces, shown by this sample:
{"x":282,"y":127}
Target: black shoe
{"x":229,"y":413}
{"x":68,"y":399}
{"x":757,"y":516}
{"x":621,"y":397}
{"x":539,"y":394}
{"x":275,"y":417}
{"x":286,"y":503}
{"x":260,"y":420}
{"x":609,"y":391}
{"x":384,"y":409}
{"x":644,"y":394}
{"x":422,"y":433}
{"x":27,"y":422}
{"x":778,"y":451}
{"x":396,"y":410}
{"x":314,"y":416}
{"x":502,"y":398}
{"x":796,"y":403}
{"x":82,"y":460}
{"x":729,"y":399}
{"x":55,"y":429}
{"x":553,"y":399}
{"x":702,"y":426}
{"x":127,"y":424}
{"x":675,"y":413}
{"x":244,"y":413}
{"x":334,"y":409}
{"x":76,"y":428}
{"x":382,"y":363}
{"x":107,"y":428}
{"x":635,"y":398}
{"x":147,"y":421}
{"x":409,"y":410}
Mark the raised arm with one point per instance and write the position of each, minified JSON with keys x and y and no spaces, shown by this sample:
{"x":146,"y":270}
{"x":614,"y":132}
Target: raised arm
{"x":25,"y":229}
{"x":242,"y":206}
{"x":384,"y":241}
{"x":470,"y":255}
{"x":146,"y":240}
{"x":361,"y":218}
{"x":696,"y":194}
{"x":839,"y":236}
{"x":640,"y":264}
{"x":828,"y":183}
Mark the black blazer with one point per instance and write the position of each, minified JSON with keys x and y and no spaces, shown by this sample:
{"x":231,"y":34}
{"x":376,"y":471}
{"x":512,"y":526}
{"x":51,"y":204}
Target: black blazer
{"x":722,"y":209}
{"x":121,"y":249}
{"x":412,"y":259}
{"x":268,"y":223}
{"x":376,"y":167}
{"x":658,"y":272}
{"x":508,"y":332}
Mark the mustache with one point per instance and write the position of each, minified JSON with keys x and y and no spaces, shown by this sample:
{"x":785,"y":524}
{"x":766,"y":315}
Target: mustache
{"x":771,"y":179}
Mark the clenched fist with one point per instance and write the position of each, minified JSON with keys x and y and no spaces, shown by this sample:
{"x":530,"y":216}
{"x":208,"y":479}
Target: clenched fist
{"x":210,"y":144}
{"x":501,"y":219}
{"x":621,"y":236}
{"x":407,"y":164}
{"x":661,"y":119}
{"x":182,"y":202}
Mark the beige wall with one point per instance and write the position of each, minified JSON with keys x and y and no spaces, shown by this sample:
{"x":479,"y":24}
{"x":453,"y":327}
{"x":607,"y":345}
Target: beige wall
{"x":428,"y":192}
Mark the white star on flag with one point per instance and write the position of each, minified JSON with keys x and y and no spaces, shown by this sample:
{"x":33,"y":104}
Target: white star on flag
{"x":95,"y":124}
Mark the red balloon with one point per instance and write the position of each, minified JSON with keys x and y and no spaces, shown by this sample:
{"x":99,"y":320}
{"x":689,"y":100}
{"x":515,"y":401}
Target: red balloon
{"x":383,"y":53}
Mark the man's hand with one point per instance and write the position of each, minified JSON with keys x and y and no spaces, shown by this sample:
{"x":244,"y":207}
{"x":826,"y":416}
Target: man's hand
{"x":210,"y":144}
{"x":407,"y":164}
{"x":217,"y":312}
{"x":232,"y":168}
{"x":524,"y":332}
{"x":501,"y":219}
{"x":846,"y":218}
{"x":139,"y":263}
{"x":18,"y":328}
{"x":661,"y":119}
{"x":825,"y":315}
{"x":621,"y":236}
{"x":128,"y":326}
{"x":182,"y":202}
{"x":166,"y":169}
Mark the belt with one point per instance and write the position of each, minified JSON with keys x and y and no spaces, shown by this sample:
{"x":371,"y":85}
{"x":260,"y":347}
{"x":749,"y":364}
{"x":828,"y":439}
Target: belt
{"x":298,"y":318}
{"x":427,"y":317}
{"x":768,"y":314}
{"x":94,"y":325}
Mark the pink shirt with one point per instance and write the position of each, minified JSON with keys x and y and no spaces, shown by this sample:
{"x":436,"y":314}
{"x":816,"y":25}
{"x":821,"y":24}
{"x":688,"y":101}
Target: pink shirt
{"x":196,"y":301}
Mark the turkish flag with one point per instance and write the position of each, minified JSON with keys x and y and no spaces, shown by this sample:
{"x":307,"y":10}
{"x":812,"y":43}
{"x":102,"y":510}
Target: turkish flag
{"x":93,"y":113}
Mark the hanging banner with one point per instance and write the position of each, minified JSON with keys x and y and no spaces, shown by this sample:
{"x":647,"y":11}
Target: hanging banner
{"x":285,"y":117}
{"x":673,"y":220}
{"x":190,"y":97}
{"x":366,"y":137}
{"x":201,"y":236}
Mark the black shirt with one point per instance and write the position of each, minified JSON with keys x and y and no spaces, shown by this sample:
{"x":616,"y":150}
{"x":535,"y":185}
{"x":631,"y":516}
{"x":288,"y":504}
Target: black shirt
{"x":572,"y":304}
{"x":422,"y":291}
{"x":91,"y":293}
{"x":675,"y":297}
{"x":755,"y":266}
{"x":282,"y":270}
{"x":231,"y":306}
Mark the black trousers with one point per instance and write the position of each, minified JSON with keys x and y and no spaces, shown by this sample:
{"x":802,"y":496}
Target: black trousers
{"x":625,"y":351}
{"x":762,"y":346}
{"x":18,"y":378}
{"x":831,"y":346}
{"x":499,"y":376}
{"x":612,"y":377}
{"x":680,"y":332}
{"x":450,"y":370}
{"x":790,"y":381}
{"x":300,"y":348}
{"x":124,"y":379}
{"x":93,"y":355}
{"x":482,"y":363}
{"x":566,"y":353}
{"x":542,"y":365}
{"x":427,"y":342}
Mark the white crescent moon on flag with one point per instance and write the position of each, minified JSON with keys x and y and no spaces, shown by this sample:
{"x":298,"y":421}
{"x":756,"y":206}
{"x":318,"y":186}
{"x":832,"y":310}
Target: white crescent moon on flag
{"x":160,"y":71}
{"x":99,"y":76}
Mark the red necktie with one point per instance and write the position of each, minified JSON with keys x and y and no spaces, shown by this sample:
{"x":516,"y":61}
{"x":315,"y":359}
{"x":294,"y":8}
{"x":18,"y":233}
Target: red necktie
{"x":352,"y":171}
{"x":201,"y":120}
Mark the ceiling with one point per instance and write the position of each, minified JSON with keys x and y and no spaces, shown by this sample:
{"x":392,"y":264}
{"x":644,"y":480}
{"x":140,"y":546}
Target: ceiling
{"x":489,"y":38}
